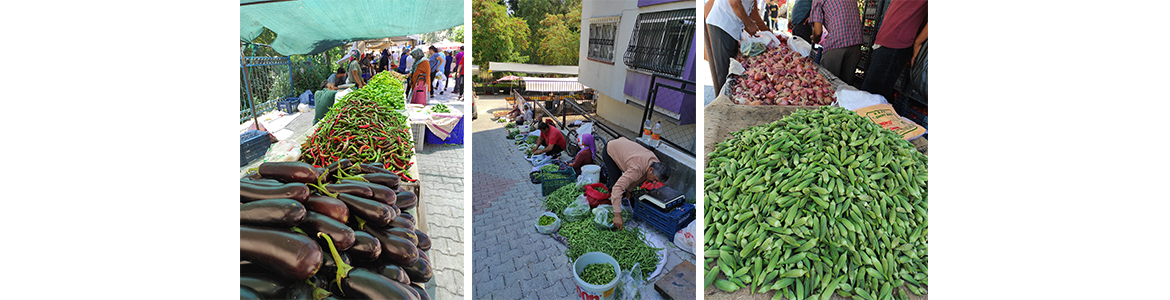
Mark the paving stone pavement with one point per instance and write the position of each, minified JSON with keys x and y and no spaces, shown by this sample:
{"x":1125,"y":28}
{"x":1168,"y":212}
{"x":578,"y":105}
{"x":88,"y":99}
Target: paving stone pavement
{"x":511,"y":260}
{"x":441,"y":169}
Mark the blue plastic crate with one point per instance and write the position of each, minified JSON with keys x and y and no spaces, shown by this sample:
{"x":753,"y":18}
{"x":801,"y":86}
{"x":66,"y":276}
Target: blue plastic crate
{"x":456,"y":136}
{"x":670,"y":221}
{"x":288,"y":105}
{"x":253,"y":144}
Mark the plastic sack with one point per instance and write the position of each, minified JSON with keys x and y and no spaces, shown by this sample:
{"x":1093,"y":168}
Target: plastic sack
{"x":306,"y":97}
{"x":685,"y":238}
{"x":578,"y":210}
{"x":630,"y":284}
{"x":582,"y":181}
{"x":800,"y":46}
{"x":852,"y":99}
{"x":603,"y":216}
{"x":547,"y":229}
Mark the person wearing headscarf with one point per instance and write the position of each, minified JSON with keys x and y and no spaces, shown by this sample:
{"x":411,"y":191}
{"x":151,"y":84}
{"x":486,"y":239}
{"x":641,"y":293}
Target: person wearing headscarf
{"x":384,"y":61}
{"x":420,"y":77}
{"x":585,"y":156}
{"x":355,"y":69}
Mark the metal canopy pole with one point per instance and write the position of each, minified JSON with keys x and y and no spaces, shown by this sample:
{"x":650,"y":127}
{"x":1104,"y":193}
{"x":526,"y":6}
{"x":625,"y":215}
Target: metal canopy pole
{"x":251,"y":105}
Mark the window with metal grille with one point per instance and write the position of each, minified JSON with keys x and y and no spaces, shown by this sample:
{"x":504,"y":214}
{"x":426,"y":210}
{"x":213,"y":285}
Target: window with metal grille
{"x":661,"y":41}
{"x":602,"y":32}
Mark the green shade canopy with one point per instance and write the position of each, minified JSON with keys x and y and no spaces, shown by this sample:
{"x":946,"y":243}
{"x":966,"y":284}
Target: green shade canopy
{"x":306,"y":27}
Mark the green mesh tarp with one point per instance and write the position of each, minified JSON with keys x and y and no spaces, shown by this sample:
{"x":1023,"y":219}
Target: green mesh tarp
{"x":308,"y":27}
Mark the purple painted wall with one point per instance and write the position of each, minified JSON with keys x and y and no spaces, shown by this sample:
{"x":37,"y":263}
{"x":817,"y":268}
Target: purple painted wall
{"x":638,"y":85}
{"x":642,"y":3}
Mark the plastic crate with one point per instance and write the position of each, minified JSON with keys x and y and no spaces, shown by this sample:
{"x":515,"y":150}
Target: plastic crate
{"x":670,"y":221}
{"x":456,"y":136}
{"x":288,"y":105}
{"x":253,"y":144}
{"x":548,"y":186}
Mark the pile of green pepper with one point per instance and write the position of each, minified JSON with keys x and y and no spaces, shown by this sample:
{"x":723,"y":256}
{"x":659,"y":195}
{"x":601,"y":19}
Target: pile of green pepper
{"x":820,"y":202}
{"x":362,"y":131}
{"x":598,"y":274}
{"x":545,"y":220}
{"x":440,"y":108}
{"x":561,"y":198}
{"x":627,"y":246}
{"x":385,"y":89}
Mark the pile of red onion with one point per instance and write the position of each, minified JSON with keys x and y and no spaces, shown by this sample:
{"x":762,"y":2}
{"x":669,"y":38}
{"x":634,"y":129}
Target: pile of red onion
{"x":781,"y":76}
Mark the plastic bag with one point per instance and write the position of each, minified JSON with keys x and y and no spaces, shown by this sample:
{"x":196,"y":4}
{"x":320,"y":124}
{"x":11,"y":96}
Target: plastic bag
{"x":800,"y":46}
{"x":752,"y":45}
{"x":582,"y":181}
{"x":630,"y":284}
{"x":578,"y":210}
{"x":852,"y":99}
{"x":556,"y":224}
{"x":603,"y":216}
{"x":685,"y":238}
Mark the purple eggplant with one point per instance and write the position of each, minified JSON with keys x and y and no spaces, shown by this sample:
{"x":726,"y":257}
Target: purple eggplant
{"x":408,"y":217}
{"x":422,"y":293}
{"x":407,"y":234}
{"x":400,"y":222}
{"x":364,"y":284}
{"x":250,"y":191}
{"x":420,"y":271}
{"x":394,"y":272}
{"x":365,"y":247}
{"x":372,"y":212}
{"x":359,"y":190}
{"x":388,"y":180}
{"x":294,"y":256}
{"x":292,"y":171}
{"x":381,"y":193}
{"x":273,"y":213}
{"x":395,"y":250}
{"x":247,"y":293}
{"x":328,"y":206}
{"x":267,"y":285}
{"x":424,"y":240}
{"x":343,"y":236}
{"x":405,"y":200}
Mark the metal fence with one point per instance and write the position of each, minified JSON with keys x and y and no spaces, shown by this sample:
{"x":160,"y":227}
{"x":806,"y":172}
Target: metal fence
{"x":661,"y":41}
{"x":267,"y":81}
{"x":678,"y":136}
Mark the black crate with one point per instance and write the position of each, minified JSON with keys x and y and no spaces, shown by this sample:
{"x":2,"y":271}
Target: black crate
{"x":253,"y":144}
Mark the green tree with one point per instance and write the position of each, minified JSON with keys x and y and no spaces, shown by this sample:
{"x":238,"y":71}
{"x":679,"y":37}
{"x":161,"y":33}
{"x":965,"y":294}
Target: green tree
{"x":559,"y":42}
{"x":495,"y":35}
{"x":534,"y":12}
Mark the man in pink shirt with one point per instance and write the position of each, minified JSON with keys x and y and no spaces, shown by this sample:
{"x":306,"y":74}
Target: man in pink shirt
{"x":903,"y":30}
{"x":627,"y":165}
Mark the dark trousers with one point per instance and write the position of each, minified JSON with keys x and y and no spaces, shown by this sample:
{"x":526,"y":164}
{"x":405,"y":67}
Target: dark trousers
{"x":842,"y":62}
{"x":459,"y":84}
{"x":721,"y":47}
{"x":885,"y":67}
{"x":803,"y":31}
{"x":612,"y":172}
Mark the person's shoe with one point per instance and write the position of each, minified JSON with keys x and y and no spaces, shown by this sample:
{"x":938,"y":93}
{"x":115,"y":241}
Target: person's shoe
{"x":440,"y":93}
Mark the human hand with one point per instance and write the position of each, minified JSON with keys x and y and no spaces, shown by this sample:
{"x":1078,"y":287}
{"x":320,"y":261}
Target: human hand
{"x":617,"y":221}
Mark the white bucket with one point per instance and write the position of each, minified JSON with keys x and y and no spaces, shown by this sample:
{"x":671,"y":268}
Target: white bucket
{"x":586,"y":291}
{"x":592,"y":173}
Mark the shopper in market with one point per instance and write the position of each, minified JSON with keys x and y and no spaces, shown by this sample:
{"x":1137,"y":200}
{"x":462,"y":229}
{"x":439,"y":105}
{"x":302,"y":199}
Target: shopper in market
{"x":384,"y":60}
{"x":354,"y":70}
{"x":771,"y":12}
{"x":334,"y":80}
{"x":420,"y":77}
{"x":585,"y":156}
{"x":436,"y":60}
{"x":405,"y":62}
{"x":903,"y":31}
{"x":725,"y":20}
{"x":459,"y":72}
{"x":627,"y":165}
{"x":840,"y":21}
{"x":798,"y":20}
{"x":448,"y":67}
{"x":551,"y":139}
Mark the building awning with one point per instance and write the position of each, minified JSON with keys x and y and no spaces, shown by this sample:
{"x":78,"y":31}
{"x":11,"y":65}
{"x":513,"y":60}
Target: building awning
{"x":541,"y":84}
{"x":532,"y":69}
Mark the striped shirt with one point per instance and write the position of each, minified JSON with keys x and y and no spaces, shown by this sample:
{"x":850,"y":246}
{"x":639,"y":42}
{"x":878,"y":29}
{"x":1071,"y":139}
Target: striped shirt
{"x":840,"y":20}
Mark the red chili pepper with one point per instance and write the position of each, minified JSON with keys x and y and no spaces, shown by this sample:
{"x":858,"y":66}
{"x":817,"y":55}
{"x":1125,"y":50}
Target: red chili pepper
{"x":364,"y":126}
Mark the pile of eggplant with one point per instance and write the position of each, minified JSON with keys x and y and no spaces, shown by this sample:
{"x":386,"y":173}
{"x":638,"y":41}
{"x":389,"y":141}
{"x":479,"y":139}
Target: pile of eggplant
{"x":337,"y":232}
